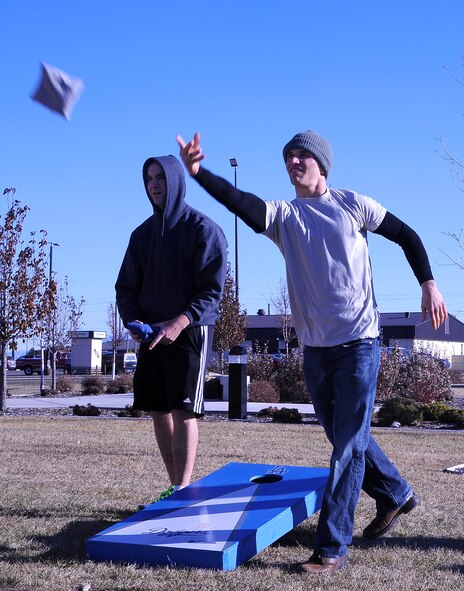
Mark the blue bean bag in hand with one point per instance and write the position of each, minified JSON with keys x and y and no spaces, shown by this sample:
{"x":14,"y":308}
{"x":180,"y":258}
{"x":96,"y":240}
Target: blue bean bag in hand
{"x":144,"y":331}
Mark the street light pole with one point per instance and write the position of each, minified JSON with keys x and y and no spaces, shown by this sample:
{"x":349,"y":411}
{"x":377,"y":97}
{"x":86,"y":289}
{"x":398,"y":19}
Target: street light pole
{"x":51,"y":323}
{"x":234,"y":164}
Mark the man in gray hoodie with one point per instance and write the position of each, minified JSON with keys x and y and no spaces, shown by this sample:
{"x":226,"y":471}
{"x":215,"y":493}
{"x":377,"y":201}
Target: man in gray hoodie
{"x":168,"y":292}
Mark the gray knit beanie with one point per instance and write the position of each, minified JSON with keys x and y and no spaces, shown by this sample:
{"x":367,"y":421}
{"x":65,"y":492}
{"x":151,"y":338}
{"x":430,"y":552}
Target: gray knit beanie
{"x":316,"y":145}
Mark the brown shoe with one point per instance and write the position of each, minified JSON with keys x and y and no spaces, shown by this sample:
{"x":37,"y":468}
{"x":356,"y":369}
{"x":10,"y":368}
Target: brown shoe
{"x":385,"y":520}
{"x":322,"y":564}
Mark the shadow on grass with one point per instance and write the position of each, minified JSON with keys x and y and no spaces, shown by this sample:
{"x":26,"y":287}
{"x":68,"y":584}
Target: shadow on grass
{"x":68,"y":543}
{"x":416,"y":542}
{"x":299,"y":537}
{"x":289,"y":568}
{"x":305,"y":537}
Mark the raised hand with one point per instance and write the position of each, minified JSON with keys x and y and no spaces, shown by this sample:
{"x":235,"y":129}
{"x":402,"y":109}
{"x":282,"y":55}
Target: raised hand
{"x":191,"y":153}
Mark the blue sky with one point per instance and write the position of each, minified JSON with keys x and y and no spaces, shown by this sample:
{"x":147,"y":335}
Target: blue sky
{"x":368,"y":75}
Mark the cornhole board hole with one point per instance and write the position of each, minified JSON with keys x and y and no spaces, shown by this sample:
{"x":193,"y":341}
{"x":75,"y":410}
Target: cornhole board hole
{"x":219,"y":521}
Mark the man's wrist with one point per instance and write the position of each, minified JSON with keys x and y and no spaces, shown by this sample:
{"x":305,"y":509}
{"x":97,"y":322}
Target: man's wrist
{"x":184,"y":320}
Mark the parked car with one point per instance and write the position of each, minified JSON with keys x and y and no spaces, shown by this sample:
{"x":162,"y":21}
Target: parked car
{"x":278,"y":358}
{"x":10,"y":363}
{"x":126,"y":362}
{"x":63,"y":361}
{"x":31,"y":364}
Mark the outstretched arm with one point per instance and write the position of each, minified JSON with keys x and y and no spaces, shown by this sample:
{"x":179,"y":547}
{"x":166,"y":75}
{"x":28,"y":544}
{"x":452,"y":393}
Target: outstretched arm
{"x":250,"y":208}
{"x":432,"y":302}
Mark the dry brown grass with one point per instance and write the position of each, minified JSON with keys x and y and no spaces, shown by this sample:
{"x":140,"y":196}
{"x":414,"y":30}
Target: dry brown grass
{"x":65,"y":479}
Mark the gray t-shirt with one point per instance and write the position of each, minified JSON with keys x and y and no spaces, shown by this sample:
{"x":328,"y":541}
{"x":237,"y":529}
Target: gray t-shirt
{"x":324,"y":243}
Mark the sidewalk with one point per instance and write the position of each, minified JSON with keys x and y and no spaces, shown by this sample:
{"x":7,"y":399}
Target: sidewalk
{"x":120,"y":401}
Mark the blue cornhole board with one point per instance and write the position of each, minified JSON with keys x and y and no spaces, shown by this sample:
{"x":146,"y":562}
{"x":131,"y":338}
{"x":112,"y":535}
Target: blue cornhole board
{"x":219,"y":521}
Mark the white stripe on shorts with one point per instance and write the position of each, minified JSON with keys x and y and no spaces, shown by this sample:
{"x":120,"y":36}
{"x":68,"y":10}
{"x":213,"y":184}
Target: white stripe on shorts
{"x":199,"y":390}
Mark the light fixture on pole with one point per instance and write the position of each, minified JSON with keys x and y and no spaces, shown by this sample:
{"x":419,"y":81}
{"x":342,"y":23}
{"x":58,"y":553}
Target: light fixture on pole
{"x":52,"y":244}
{"x":234,"y":164}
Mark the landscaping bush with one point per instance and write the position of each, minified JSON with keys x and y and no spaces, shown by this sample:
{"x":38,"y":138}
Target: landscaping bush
{"x":260,"y":365}
{"x":389,"y":372}
{"x":86,"y":411}
{"x":65,"y":384}
{"x":129,"y":411}
{"x":287,"y":415}
{"x":289,"y":379}
{"x":121,"y":384}
{"x":267,"y":412}
{"x":420,"y":376}
{"x":262,"y":391}
{"x":214,"y":366}
{"x":403,"y":410}
{"x":48,"y":392}
{"x":453,"y":416}
{"x":93,"y":385}
{"x":433,"y":411}
{"x":424,"y":378}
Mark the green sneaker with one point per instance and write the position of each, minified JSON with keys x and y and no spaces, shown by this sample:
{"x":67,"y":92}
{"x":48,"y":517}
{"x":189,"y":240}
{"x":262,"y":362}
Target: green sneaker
{"x":164,"y":495}
{"x":167,"y":493}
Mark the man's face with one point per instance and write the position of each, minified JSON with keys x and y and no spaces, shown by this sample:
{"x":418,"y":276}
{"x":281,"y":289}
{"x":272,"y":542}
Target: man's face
{"x":304,"y":172}
{"x":156,"y":185}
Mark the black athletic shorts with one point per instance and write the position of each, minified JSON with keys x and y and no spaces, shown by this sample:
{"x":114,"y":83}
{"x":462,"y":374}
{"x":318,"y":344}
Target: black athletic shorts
{"x":171,"y":377}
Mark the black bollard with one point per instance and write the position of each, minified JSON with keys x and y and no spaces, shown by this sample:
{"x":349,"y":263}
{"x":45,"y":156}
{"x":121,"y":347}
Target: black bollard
{"x":238,"y":382}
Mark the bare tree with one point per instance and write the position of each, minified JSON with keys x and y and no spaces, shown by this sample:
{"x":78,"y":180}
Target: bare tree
{"x":26,"y":296}
{"x":230,"y":327}
{"x":63,"y":320}
{"x":281,"y":303}
{"x":457,"y":172}
{"x":116,"y":333}
{"x":457,"y":164}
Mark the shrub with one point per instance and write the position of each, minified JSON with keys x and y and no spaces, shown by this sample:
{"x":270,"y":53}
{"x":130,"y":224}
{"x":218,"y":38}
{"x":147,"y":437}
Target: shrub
{"x":389,"y":372}
{"x":420,"y":376}
{"x":262,"y":391}
{"x":86,"y":411}
{"x":214,"y":366}
{"x":287,"y":415}
{"x":267,"y":412}
{"x":433,"y":411}
{"x":289,"y":379}
{"x":403,"y":410}
{"x":121,"y":385}
{"x":453,"y":416}
{"x":65,"y":384}
{"x":129,"y":411}
{"x":93,"y":385}
{"x":48,"y":392}
{"x":260,"y":365}
{"x":424,"y":378}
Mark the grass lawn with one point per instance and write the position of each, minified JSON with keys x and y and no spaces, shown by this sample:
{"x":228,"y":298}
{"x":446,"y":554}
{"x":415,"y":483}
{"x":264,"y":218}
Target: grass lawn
{"x":66,"y":478}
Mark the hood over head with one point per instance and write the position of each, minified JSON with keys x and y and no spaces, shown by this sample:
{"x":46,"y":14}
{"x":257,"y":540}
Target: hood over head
{"x":175,"y":188}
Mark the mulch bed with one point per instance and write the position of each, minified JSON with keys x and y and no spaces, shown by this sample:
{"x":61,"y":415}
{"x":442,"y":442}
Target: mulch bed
{"x":209,"y":417}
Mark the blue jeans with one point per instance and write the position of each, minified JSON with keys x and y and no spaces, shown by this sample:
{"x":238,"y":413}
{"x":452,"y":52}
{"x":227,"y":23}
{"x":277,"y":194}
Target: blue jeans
{"x":342,"y":384}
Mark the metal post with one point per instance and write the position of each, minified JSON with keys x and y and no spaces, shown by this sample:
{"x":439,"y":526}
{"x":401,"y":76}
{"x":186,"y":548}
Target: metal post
{"x":238,"y":382}
{"x":52,"y":323}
